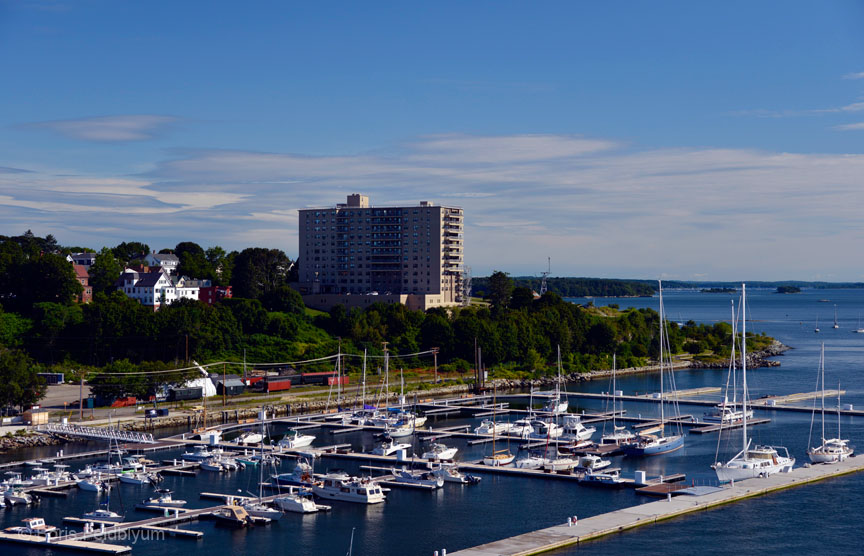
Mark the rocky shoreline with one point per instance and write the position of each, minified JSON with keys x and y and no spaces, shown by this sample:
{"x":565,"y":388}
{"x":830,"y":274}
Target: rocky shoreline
{"x":29,"y":440}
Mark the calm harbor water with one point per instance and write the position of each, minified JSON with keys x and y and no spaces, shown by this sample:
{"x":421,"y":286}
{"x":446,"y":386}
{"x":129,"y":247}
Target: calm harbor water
{"x":460,"y":516}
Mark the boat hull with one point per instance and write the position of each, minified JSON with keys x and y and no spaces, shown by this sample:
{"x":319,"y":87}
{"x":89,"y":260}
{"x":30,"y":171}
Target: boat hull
{"x":671,"y":444}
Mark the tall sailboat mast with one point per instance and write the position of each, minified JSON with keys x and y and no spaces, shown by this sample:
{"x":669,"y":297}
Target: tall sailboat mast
{"x":662,"y":344}
{"x":744,"y":363}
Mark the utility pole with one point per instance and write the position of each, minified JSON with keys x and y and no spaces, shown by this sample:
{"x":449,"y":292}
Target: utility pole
{"x":224,"y":387}
{"x":435,"y":355}
{"x":81,"y":398}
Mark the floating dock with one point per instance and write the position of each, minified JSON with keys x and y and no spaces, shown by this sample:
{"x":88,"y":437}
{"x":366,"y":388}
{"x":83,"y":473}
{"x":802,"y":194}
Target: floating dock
{"x":598,"y":526}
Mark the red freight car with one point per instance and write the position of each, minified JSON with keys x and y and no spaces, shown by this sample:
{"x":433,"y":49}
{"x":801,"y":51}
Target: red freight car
{"x":275,"y":385}
{"x":343,"y":380}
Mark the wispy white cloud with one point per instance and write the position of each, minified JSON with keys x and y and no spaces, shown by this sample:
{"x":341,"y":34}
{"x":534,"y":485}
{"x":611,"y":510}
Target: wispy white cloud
{"x":762,"y":113}
{"x":850,"y":127}
{"x":854,"y":75}
{"x":595,"y":206}
{"x":121,"y":128}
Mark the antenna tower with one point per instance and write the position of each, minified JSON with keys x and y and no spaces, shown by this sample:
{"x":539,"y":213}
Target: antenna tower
{"x":545,"y":276}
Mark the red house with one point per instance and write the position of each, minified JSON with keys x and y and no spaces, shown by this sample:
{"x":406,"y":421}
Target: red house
{"x":86,"y":296}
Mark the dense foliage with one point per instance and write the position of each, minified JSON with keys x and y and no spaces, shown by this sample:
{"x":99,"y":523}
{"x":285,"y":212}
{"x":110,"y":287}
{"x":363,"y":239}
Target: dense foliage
{"x":573,"y":287}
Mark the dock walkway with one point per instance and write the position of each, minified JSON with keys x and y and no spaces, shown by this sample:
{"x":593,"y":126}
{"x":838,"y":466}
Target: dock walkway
{"x":598,"y":526}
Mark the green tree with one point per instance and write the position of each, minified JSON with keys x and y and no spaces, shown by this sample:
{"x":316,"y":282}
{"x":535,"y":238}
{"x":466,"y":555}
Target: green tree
{"x":285,"y":300}
{"x":20,"y":384}
{"x":257,"y":271}
{"x":193,"y":261}
{"x":105,"y":271}
{"x":521,"y":298}
{"x":500,"y":289}
{"x":128,"y":251}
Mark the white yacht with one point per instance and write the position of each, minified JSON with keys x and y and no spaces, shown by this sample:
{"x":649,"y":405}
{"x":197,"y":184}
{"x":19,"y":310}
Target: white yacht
{"x":606,"y":478}
{"x":439,"y":452}
{"x":574,"y":429}
{"x":831,"y":450}
{"x":15,"y":496}
{"x":93,"y":484}
{"x":249,"y":438}
{"x":545,"y":429}
{"x":390,"y":448}
{"x":260,"y":509}
{"x":301,"y":475}
{"x":619,"y":435}
{"x":759,"y":461}
{"x":295,"y":439}
{"x":198,"y":453}
{"x":103,"y":514}
{"x":726,"y":414}
{"x":450,"y":474}
{"x":521,"y":428}
{"x":591,"y":463}
{"x":213,"y":464}
{"x":15,"y":480}
{"x":164,"y":500}
{"x":422,"y":479}
{"x":295,"y":502}
{"x":489,"y":427}
{"x":402,"y":429}
{"x":348,"y":489}
{"x":531,"y":461}
{"x":140,"y":478}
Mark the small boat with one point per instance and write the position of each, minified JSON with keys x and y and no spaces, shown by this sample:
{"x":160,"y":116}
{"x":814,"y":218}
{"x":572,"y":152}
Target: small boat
{"x":591,"y":463}
{"x":294,"y":439}
{"x":531,"y":461}
{"x":817,"y":326}
{"x":142,"y":478}
{"x":521,"y":428}
{"x":33,"y":526}
{"x":439,"y":452}
{"x":164,"y":500}
{"x":198,"y":453}
{"x":619,"y":435}
{"x":15,"y":481}
{"x":489,"y":426}
{"x":390,"y":448}
{"x":295,"y":502}
{"x":726,"y":414}
{"x":213,"y":436}
{"x":213,"y":464}
{"x":103,"y":514}
{"x":607,"y":478}
{"x":341,"y":487}
{"x":835,"y":318}
{"x":859,"y":330}
{"x":93,"y":484}
{"x":450,"y":474}
{"x":16,"y":496}
{"x":545,"y":429}
{"x":301,"y":475}
{"x":86,"y":472}
{"x":260,"y":509}
{"x":402,"y":429}
{"x":422,"y":479}
{"x":32,"y":463}
{"x":249,"y":438}
{"x":233,"y":516}
{"x":574,"y":429}
{"x":499,"y":459}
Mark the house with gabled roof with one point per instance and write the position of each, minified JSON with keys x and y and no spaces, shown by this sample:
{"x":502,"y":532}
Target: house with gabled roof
{"x":81,"y":274}
{"x":156,"y":288}
{"x":167,"y":261}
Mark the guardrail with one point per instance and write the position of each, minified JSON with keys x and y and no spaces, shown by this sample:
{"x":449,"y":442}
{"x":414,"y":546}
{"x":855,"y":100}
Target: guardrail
{"x":98,"y":433}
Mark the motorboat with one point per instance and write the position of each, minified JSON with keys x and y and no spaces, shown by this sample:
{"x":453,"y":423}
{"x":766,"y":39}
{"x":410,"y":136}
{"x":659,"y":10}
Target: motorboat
{"x":233,"y":516}
{"x":294,"y":439}
{"x":521,"y":428}
{"x":34,"y":526}
{"x":574,"y":429}
{"x":422,"y":479}
{"x":85,"y":473}
{"x":607,"y":478}
{"x":15,"y":481}
{"x":141,"y":478}
{"x":545,"y":429}
{"x":103,"y":514}
{"x":198,"y":453}
{"x":489,"y":426}
{"x":726,"y":414}
{"x":213,"y":436}
{"x":256,"y":508}
{"x":93,"y":484}
{"x":450,"y":474}
{"x":295,"y":502}
{"x":301,"y":475}
{"x":402,"y":429}
{"x":349,"y":489}
{"x":249,"y":438}
{"x":618,"y":436}
{"x":164,"y":500}
{"x":213,"y":464}
{"x":439,"y":452}
{"x":16,"y":496}
{"x":591,"y":463}
{"x":390,"y":448}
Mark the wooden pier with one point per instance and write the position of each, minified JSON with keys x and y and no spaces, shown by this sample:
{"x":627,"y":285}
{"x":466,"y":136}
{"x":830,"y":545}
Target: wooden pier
{"x":562,"y":535}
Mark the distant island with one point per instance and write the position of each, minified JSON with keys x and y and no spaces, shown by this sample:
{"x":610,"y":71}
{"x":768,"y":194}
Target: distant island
{"x":788,"y":289}
{"x":574,"y":287}
{"x":719,"y":290}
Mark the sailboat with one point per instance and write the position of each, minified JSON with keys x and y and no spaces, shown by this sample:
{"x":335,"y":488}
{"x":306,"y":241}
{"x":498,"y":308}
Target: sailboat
{"x":759,"y":461}
{"x":831,"y":450}
{"x":498,"y":458}
{"x":835,"y":318}
{"x":726,"y":413}
{"x":816,"y":330}
{"x":257,"y":508}
{"x":619,"y":435}
{"x":646,"y":443}
{"x":557,"y":403}
{"x":859,"y":330}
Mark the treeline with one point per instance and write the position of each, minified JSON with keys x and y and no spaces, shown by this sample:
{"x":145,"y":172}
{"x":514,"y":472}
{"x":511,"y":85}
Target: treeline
{"x":573,"y":287}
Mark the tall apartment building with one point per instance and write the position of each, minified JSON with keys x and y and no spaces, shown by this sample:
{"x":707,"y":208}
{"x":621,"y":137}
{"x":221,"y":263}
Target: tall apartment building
{"x":410,"y":255}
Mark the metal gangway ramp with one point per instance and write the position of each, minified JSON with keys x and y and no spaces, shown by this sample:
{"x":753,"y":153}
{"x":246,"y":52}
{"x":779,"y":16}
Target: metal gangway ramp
{"x":98,"y":433}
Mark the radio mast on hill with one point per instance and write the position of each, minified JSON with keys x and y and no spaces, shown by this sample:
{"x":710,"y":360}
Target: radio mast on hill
{"x":545,"y":275}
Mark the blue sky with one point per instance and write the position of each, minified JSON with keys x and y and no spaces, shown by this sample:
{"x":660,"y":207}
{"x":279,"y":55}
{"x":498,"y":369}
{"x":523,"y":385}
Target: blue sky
{"x":681,"y":139}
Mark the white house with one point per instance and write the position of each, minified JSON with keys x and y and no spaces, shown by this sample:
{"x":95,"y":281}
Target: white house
{"x":84,"y":259}
{"x":167,"y":261}
{"x":157,"y":288}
